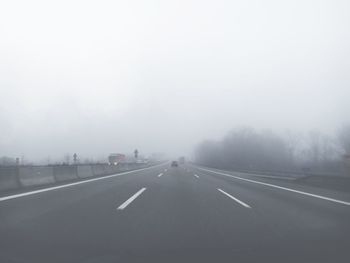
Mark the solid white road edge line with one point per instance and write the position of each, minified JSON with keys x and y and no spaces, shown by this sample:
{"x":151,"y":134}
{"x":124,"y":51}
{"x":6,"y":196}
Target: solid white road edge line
{"x":234,"y":198}
{"x":71,"y":184}
{"x":128,"y":202}
{"x":280,"y":187}
{"x":273,"y":177}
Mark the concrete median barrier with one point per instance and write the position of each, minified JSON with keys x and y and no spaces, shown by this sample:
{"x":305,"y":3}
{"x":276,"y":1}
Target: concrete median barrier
{"x":8,"y":179}
{"x":123,"y":167}
{"x":85,"y":171}
{"x":132,"y":166}
{"x":13,"y":178}
{"x":36,"y":175}
{"x":115,"y":168}
{"x":99,"y":169}
{"x":109,"y":169}
{"x":65,"y":173}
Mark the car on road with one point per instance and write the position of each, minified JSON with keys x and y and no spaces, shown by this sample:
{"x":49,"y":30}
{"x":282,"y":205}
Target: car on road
{"x":174,"y":164}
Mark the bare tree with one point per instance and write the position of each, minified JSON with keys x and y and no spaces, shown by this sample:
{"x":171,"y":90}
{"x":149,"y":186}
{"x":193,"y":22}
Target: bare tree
{"x":245,"y":148}
{"x":7,"y":161}
{"x":66,"y":158}
{"x":294,"y":148}
{"x":344,"y":138}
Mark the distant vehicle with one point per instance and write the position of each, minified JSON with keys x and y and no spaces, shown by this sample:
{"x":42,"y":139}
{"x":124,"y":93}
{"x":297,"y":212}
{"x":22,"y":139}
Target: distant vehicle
{"x":174,"y":164}
{"x":181,"y":160}
{"x":115,"y":158}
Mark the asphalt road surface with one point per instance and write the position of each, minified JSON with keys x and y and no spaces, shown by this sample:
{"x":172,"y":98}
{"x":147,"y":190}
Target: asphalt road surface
{"x":180,"y":214}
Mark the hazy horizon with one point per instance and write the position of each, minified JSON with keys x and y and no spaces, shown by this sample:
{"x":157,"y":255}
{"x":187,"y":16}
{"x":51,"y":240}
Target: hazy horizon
{"x":95,"y":78}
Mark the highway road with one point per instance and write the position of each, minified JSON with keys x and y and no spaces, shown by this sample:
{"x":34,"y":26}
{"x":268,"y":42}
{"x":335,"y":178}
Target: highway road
{"x":180,"y":214}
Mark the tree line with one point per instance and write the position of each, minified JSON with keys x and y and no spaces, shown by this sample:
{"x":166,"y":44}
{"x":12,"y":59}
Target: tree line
{"x":249,"y":149}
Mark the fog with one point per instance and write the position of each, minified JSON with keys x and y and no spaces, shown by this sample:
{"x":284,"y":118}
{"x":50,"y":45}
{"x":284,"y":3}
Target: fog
{"x":95,"y":77}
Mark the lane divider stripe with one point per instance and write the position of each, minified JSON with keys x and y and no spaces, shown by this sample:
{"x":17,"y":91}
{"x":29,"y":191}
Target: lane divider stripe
{"x":234,"y":198}
{"x":129,"y":201}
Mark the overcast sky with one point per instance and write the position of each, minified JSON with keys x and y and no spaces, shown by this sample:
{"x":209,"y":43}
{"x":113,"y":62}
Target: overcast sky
{"x":95,"y":77}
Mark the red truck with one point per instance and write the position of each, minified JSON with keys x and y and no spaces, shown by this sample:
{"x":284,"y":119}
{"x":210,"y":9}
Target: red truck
{"x":115,"y":158}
